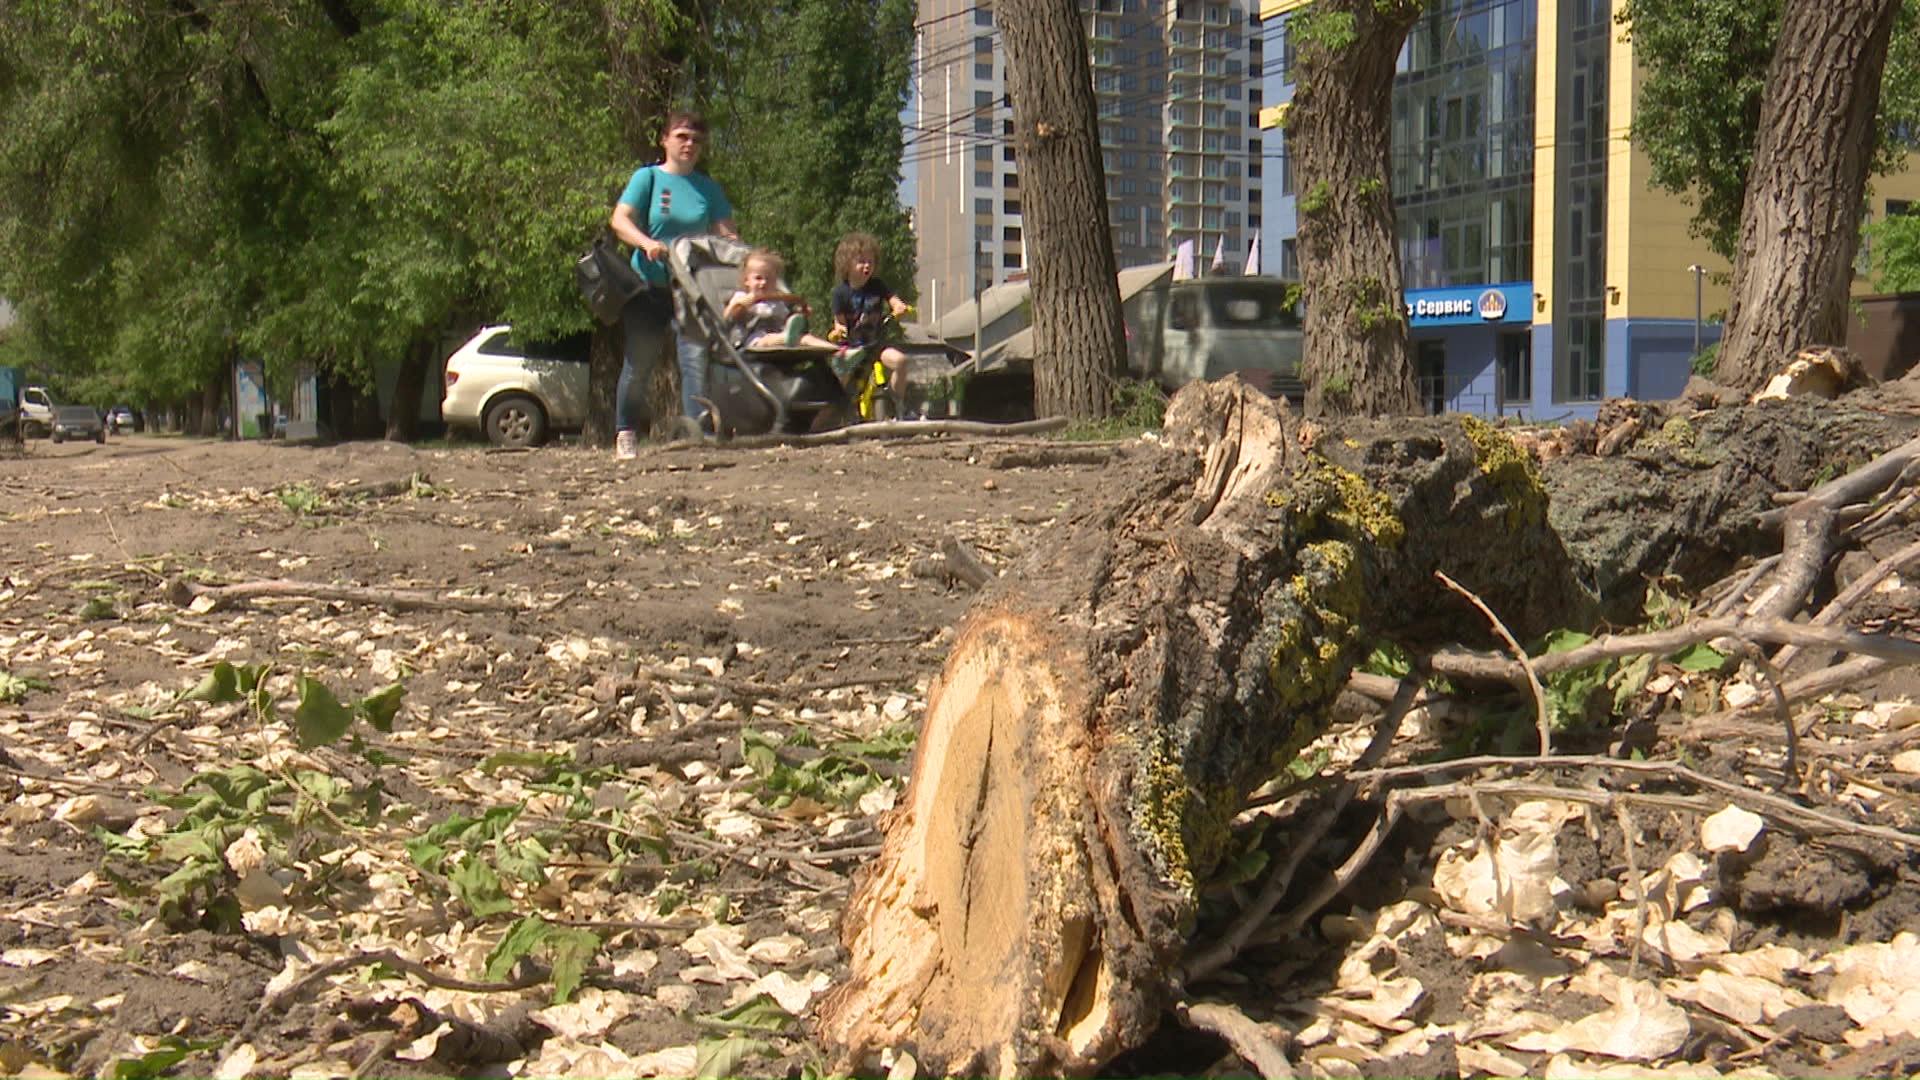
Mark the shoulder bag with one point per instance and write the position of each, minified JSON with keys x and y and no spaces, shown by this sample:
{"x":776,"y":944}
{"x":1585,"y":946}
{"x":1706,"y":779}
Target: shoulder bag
{"x":606,"y":279}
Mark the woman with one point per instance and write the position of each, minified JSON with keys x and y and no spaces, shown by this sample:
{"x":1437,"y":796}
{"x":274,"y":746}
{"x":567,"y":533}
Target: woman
{"x":661,"y":202}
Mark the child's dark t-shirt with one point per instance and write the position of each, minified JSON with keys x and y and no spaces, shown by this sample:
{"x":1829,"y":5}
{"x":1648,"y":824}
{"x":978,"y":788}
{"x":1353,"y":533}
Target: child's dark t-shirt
{"x":863,"y":310}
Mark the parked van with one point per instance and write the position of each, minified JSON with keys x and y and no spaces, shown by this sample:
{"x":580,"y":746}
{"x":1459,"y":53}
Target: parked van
{"x":1177,"y":332}
{"x":1209,"y":328}
{"x":36,"y":412}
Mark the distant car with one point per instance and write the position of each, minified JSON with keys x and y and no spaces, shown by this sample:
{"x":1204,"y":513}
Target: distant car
{"x":78,"y":422}
{"x":36,"y":411}
{"x":516,"y":393}
{"x":122,"y":418}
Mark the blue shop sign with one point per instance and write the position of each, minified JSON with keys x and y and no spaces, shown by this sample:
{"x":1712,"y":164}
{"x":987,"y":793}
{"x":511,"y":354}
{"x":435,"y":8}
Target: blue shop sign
{"x":1471,"y":305}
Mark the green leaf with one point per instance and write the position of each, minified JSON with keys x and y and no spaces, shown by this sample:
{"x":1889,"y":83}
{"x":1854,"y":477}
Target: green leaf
{"x":427,"y":855}
{"x":319,"y":719}
{"x":381,"y":706}
{"x":525,"y":759}
{"x":1564,"y":640}
{"x":1700,"y":656}
{"x":573,"y":949}
{"x":218,"y":687}
{"x":178,"y":887}
{"x":155,"y":1063}
{"x":478,"y":887}
{"x":249,"y":677}
{"x":722,"y":1057}
{"x":237,"y":787}
{"x":524,"y":936}
{"x":758,"y":1013}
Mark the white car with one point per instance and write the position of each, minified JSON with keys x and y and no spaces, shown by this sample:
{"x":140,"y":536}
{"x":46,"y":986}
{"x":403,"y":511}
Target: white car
{"x":516,"y":393}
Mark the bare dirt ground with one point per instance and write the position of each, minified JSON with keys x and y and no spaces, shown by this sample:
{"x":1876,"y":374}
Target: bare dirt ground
{"x":647,"y":715}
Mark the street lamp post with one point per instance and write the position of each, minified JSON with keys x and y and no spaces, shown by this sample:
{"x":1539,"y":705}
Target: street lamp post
{"x":1698,"y":272}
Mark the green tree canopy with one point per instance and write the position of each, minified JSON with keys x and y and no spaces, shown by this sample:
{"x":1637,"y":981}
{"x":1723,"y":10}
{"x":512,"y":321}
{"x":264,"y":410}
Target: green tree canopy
{"x":343,"y":181}
{"x":1699,"y":107}
{"x":808,"y":132}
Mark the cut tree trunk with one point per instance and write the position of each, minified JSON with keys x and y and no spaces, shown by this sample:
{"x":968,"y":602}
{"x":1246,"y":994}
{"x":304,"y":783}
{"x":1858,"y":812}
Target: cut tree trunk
{"x":1355,"y":350}
{"x":1078,"y":337}
{"x":1104,"y":713}
{"x":1800,"y":222}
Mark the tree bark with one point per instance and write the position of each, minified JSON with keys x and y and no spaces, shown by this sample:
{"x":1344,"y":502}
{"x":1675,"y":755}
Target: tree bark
{"x":403,"y":419}
{"x":1105,"y":711}
{"x":1078,"y":337}
{"x":1355,"y":348}
{"x":1800,"y":223}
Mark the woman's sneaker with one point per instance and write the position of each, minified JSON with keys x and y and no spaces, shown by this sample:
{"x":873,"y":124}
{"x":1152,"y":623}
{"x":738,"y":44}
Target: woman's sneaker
{"x":796,"y":329}
{"x":626,"y":446}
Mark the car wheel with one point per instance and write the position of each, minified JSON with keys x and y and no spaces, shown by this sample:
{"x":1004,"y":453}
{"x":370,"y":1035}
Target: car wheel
{"x":515,"y":420}
{"x":100,"y":436}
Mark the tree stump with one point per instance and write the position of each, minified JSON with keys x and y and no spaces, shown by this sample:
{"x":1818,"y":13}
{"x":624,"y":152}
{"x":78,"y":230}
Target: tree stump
{"x":1107,"y":708}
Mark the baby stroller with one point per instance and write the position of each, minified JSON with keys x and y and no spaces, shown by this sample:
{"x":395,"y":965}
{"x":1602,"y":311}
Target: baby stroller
{"x":782,"y":390}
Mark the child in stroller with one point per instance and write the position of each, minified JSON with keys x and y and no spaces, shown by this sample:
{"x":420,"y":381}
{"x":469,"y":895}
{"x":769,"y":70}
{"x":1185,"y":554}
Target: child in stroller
{"x":756,"y":382}
{"x":763,"y":315}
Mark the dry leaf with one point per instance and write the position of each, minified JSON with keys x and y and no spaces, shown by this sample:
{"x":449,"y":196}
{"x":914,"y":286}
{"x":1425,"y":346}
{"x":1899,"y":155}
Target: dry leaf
{"x":1879,"y":986}
{"x":1743,"y":999}
{"x":588,"y":1015}
{"x":1732,"y":829}
{"x":1479,"y":1059}
{"x":1642,"y":1026}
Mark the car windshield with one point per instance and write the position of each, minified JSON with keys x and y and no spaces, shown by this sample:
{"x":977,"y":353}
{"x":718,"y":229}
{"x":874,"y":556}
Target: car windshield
{"x":575,"y":347}
{"x":1252,"y":305}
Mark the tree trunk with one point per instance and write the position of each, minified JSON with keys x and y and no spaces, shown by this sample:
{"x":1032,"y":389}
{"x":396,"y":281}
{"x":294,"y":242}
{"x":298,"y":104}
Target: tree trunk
{"x":403,"y":419}
{"x":605,"y":356}
{"x":1079,"y":340}
{"x":1800,"y":224}
{"x":1355,"y":351}
{"x":1104,"y":713}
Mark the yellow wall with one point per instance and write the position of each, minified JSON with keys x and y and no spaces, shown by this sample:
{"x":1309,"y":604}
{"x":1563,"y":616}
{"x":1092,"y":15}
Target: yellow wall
{"x":1546,"y":106}
{"x":1649,"y":244}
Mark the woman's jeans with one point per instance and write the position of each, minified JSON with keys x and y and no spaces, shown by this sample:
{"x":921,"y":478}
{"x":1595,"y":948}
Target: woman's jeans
{"x":649,"y":322}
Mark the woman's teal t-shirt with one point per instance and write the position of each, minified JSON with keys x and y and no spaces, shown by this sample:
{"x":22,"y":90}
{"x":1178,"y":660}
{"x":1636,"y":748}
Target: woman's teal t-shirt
{"x":668,"y":205}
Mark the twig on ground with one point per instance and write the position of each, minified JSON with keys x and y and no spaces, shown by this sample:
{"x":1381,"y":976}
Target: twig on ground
{"x":1257,"y":1044}
{"x":1083,"y":454}
{"x":1629,"y":842}
{"x":1838,"y":607}
{"x":1337,"y":882}
{"x":885,"y":429}
{"x":1543,"y":721}
{"x":1801,"y":819}
{"x":769,"y":691}
{"x":1728,"y":600}
{"x":1885,"y":647}
{"x":532,"y":976}
{"x":1204,"y":962}
{"x":184,"y":593}
{"x":1790,"y":767}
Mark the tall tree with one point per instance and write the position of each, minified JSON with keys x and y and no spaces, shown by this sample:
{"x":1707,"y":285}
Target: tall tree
{"x":1079,"y":338}
{"x":1698,"y":112}
{"x":1355,"y":346}
{"x":1800,"y":222}
{"x":807,"y":130}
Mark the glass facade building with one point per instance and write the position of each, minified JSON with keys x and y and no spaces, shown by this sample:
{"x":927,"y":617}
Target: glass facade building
{"x":1542,"y":271}
{"x":1178,"y":90}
